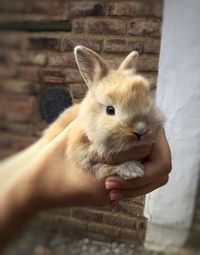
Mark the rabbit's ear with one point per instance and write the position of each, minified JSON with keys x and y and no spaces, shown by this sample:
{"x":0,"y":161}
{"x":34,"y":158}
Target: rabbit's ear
{"x":130,"y":62}
{"x":92,"y":67}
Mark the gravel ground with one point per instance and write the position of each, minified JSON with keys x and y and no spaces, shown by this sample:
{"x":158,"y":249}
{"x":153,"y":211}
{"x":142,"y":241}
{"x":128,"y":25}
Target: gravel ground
{"x":41,"y":238}
{"x":59,"y":245}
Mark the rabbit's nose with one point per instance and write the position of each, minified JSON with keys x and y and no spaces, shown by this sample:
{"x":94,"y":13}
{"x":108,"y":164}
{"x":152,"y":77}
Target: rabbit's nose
{"x":138,"y":135}
{"x":140,"y":132}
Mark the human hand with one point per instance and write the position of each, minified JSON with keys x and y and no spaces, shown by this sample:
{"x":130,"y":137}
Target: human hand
{"x":65,"y":185}
{"x":39,"y":178}
{"x":57,"y":182}
{"x":156,"y":173}
{"x":48,"y":180}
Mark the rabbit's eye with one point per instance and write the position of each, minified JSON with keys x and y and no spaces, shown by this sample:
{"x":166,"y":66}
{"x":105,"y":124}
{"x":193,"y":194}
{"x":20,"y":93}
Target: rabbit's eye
{"x":110,"y":110}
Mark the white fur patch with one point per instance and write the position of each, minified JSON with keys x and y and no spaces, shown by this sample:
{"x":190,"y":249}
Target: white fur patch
{"x":141,"y":128}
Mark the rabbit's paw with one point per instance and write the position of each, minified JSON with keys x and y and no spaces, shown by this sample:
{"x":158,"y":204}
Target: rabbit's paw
{"x":130,"y":170}
{"x":127,"y":170}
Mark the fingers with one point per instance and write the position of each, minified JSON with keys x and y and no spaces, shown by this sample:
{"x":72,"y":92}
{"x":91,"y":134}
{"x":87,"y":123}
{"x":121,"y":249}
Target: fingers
{"x":152,"y":173}
{"x":156,"y":174}
{"x":116,"y":195}
{"x":160,"y":150}
{"x":158,"y":166}
{"x":133,"y":154}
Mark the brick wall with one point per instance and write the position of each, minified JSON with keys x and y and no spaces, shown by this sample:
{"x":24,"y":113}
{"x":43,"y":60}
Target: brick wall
{"x":39,"y":56}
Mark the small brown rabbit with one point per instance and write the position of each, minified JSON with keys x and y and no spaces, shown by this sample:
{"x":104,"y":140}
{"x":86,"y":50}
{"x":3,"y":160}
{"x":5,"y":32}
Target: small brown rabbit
{"x":117,"y":113}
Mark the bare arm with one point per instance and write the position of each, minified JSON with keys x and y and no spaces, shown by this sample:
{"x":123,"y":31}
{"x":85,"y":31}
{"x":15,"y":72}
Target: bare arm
{"x":41,"y":177}
{"x":45,"y":180}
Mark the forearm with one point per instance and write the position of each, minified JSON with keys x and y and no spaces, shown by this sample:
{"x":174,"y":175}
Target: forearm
{"x":15,"y":181}
{"x":17,"y":204}
{"x":22,"y":188}
{"x":15,"y":209}
{"x":21,"y":158}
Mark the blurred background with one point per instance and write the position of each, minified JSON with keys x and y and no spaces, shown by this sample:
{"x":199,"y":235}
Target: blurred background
{"x":39,"y":79}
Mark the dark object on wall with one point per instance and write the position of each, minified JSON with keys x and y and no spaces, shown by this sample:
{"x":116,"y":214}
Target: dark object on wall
{"x":53,"y":101}
{"x":98,"y":9}
{"x":37,"y":26}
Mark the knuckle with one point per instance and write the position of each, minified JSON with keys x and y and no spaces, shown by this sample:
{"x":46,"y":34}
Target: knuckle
{"x":167,"y":167}
{"x":164,"y":180}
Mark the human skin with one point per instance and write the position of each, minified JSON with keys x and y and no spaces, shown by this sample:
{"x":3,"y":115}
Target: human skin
{"x":40,"y":177}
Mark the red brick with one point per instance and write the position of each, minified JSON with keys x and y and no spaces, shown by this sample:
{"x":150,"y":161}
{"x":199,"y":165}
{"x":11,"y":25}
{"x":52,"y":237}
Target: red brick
{"x":8,"y":57}
{"x":7,"y":71}
{"x":113,"y":60}
{"x":73,"y":76}
{"x":123,"y":45}
{"x":107,"y":208}
{"x":137,"y":200}
{"x":131,"y":208}
{"x":17,"y":7}
{"x":77,"y":90}
{"x":137,"y":237}
{"x":100,"y":237}
{"x":17,"y":128}
{"x":29,"y":73}
{"x":60,"y":211}
{"x":3,"y":58}
{"x":32,"y":58}
{"x":25,"y":58}
{"x":33,"y":7}
{"x":18,"y":86}
{"x":62,"y":60}
{"x":44,"y":43}
{"x":11,"y":39}
{"x":82,"y":8}
{"x":144,"y":27}
{"x":78,"y":25}
{"x":136,"y":8}
{"x":69,"y":43}
{"x":38,"y":59}
{"x":86,"y":214}
{"x":50,"y":76}
{"x":152,"y":46}
{"x":106,"y":26}
{"x":133,"y":8}
{"x":118,"y":219}
{"x":45,"y":7}
{"x":104,"y":229}
{"x":157,"y":8}
{"x":19,"y":109}
{"x":66,"y":224}
{"x":148,"y":63}
{"x":19,"y":142}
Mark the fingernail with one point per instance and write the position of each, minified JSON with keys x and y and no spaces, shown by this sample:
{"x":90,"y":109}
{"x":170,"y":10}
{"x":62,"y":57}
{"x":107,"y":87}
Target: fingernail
{"x":112,"y":185}
{"x":116,"y":196}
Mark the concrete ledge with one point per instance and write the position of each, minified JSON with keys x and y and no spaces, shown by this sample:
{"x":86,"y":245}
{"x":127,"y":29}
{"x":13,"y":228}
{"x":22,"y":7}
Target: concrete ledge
{"x":164,"y":239}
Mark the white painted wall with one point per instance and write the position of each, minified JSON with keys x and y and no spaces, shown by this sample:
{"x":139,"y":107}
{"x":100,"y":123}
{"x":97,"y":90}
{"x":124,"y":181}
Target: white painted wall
{"x":178,"y":96}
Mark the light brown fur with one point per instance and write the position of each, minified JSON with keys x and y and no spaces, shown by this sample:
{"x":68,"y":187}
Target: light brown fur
{"x":62,"y":122}
{"x":96,"y":132}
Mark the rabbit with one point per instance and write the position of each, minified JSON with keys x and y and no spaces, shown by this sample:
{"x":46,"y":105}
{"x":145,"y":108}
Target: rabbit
{"x":117,"y":113}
